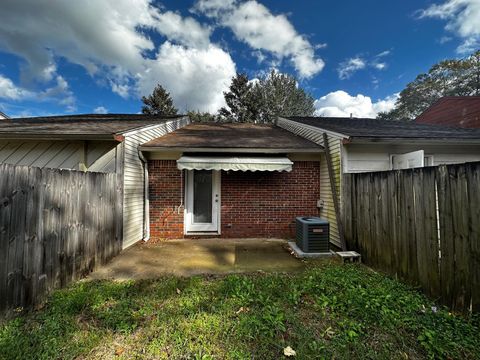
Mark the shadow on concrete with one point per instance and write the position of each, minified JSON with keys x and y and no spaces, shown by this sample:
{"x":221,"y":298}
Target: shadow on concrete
{"x":200,"y":256}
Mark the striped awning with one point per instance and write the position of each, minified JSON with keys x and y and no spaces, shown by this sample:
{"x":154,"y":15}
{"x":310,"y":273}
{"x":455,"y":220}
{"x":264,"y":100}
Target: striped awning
{"x":234,"y":163}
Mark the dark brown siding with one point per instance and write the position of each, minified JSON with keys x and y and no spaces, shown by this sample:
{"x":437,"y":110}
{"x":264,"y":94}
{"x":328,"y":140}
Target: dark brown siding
{"x":453,"y":111}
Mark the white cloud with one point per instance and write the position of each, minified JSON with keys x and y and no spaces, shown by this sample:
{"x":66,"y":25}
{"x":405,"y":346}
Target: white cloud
{"x":214,"y":8}
{"x":379,"y":65}
{"x":110,"y":39}
{"x":8,"y":90}
{"x":348,"y":67}
{"x":196,"y":77}
{"x":60,"y":92}
{"x":383,"y":53}
{"x":186,"y":31}
{"x":254,"y":24}
{"x":444,"y":39}
{"x":463,"y":19}
{"x":341,"y":104}
{"x":469,"y":45}
{"x":100,"y":110}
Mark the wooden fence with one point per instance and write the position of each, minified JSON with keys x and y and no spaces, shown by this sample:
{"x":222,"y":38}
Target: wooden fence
{"x":422,"y":225}
{"x":55,"y":227}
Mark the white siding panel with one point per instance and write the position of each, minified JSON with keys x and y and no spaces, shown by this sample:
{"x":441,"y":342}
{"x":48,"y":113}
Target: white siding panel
{"x":101,"y":156}
{"x":334,"y":142}
{"x":51,"y":154}
{"x":133,"y":200}
{"x":376,"y":157}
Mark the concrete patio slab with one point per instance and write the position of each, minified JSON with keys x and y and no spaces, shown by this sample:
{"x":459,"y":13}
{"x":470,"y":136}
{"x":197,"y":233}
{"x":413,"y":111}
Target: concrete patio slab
{"x":303,"y":255}
{"x":200,"y":256}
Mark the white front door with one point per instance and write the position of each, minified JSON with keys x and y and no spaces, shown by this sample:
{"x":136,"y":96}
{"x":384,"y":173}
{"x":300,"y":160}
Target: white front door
{"x":202,"y":211}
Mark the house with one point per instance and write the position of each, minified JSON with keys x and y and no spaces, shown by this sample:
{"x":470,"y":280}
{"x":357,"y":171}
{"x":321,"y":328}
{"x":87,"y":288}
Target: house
{"x":363,"y":145}
{"x":183,"y":179}
{"x":231,"y":180}
{"x":91,"y":142}
{"x":461,"y":111}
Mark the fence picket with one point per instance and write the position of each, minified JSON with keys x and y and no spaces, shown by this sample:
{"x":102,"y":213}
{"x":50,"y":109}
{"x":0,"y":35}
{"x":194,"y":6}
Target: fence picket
{"x":421,"y":225}
{"x":47,"y":236}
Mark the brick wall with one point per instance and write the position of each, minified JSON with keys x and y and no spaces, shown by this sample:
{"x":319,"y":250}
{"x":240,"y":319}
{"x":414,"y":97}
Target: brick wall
{"x":254,"y":204}
{"x":165,"y":194}
{"x":265,"y":203}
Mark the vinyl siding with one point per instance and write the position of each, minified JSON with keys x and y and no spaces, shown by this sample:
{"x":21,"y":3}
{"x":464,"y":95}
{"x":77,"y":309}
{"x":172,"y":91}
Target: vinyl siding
{"x":133,"y":175}
{"x":98,"y":156}
{"x":43,"y":154}
{"x":101,"y":156}
{"x":334,"y":142}
{"x":368,"y":157}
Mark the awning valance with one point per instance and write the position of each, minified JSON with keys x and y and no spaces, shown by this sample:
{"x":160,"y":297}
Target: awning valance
{"x":234,"y":163}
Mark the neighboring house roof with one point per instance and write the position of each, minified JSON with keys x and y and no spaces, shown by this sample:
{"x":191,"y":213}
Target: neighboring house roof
{"x":461,"y":111}
{"x":378,"y":130}
{"x":88,"y":126}
{"x":231,"y":136}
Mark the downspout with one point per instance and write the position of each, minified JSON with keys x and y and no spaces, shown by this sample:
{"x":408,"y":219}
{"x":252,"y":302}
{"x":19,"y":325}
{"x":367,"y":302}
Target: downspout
{"x":333,"y":187}
{"x":146,"y":201}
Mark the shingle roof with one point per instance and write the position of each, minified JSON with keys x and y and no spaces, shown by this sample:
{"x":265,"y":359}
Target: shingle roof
{"x":382,"y":129}
{"x":86,"y":125}
{"x":232,"y":136}
{"x":460,"y":111}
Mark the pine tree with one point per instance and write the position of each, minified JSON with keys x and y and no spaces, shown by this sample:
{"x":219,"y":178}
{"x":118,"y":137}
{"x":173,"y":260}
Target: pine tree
{"x":158,"y":103}
{"x":281,"y":96}
{"x":263,"y":100}
{"x":241,"y":103}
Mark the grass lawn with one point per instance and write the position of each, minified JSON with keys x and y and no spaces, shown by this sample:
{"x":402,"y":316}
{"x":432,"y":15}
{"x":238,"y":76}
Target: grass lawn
{"x":327,"y":311}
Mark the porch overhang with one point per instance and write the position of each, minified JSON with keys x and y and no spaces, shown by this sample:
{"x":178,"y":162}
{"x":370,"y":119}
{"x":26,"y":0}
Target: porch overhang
{"x":229,"y":163}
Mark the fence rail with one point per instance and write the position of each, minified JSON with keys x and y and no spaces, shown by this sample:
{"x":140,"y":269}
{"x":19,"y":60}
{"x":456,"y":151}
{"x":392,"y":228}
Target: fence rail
{"x":422,"y":225}
{"x":55,"y":227}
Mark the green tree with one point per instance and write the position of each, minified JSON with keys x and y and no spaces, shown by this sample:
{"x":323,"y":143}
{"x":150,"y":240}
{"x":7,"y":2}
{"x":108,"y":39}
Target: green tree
{"x":266,"y":98}
{"x":447,"y":78}
{"x":280,"y":95}
{"x":242,"y":105}
{"x":158,"y":102}
{"x":198,"y":116}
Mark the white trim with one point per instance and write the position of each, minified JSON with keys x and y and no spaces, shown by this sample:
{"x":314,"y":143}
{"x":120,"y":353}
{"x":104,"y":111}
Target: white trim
{"x":431,"y":159}
{"x":424,"y":156}
{"x":231,"y":150}
{"x":214,"y":228}
{"x":152,"y":126}
{"x":146,"y":219}
{"x":413,"y":141}
{"x":314,"y":128}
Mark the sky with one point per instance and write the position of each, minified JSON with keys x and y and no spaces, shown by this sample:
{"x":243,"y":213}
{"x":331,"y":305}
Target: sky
{"x":353,"y":57}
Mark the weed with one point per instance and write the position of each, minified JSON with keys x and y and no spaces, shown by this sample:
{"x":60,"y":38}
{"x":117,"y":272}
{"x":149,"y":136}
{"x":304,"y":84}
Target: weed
{"x":328,"y":311}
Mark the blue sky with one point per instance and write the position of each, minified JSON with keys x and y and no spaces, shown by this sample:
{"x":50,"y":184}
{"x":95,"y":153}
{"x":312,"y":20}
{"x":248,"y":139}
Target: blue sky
{"x":101,"y":56}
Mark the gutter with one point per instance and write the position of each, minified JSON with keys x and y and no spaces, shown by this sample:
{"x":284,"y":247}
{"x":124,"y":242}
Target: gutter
{"x":318,"y":149}
{"x":60,"y":137}
{"x":146,"y":201}
{"x":410,"y":140}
